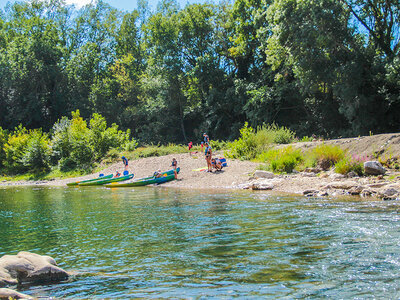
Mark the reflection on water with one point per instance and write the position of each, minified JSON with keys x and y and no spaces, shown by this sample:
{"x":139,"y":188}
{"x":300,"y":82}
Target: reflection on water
{"x":155,"y":242}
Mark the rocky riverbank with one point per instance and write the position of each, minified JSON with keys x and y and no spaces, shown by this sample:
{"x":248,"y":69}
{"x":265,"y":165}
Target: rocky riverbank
{"x":242,"y":175}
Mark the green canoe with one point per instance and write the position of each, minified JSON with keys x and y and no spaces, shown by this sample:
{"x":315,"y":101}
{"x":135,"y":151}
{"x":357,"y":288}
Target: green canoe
{"x":109,"y":180}
{"x":144,"y":181}
{"x":163,"y":179}
{"x":90,"y":180}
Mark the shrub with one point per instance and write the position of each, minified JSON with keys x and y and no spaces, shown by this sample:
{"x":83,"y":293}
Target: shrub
{"x":282,"y":160}
{"x":218,"y":145}
{"x":346,"y":165}
{"x":14,"y":150}
{"x":306,"y":139}
{"x":3,"y":140}
{"x":327,"y":155}
{"x":243,"y":148}
{"x":252,"y":143}
{"x":36,"y":155}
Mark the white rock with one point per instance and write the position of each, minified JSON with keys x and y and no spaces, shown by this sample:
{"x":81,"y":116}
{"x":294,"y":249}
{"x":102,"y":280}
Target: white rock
{"x":262,"y":185}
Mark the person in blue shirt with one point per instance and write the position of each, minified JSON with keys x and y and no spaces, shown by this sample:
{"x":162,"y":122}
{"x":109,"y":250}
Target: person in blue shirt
{"x":206,"y":138}
{"x":175,"y":165}
{"x":208,"y":154}
{"x":125,"y":161}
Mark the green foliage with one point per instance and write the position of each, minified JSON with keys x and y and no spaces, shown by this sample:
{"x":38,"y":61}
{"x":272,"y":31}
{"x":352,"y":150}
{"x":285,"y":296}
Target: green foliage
{"x":218,"y":145}
{"x":346,"y":165}
{"x":37,"y":152}
{"x":244,"y":147}
{"x":281,"y":160}
{"x":3,"y":140}
{"x":174,"y":73}
{"x":327,"y":155}
{"x":156,"y":150}
{"x":14,"y":150}
{"x":306,"y":139}
{"x":251,"y":142}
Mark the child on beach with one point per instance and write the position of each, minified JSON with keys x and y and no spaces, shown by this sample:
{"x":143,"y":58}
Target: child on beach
{"x":174,"y":166}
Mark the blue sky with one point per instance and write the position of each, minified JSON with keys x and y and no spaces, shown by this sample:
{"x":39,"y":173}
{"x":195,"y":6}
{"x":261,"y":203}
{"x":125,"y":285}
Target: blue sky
{"x":127,"y":5}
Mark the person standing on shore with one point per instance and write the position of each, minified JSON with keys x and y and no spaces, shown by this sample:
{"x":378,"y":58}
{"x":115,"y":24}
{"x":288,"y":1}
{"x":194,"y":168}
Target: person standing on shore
{"x":190,"y":145}
{"x":125,"y":162}
{"x":206,"y":138}
{"x":174,"y":166}
{"x":208,"y":154}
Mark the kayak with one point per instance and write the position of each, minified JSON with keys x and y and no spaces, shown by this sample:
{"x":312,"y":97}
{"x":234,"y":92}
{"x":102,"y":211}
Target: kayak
{"x":143,"y":181}
{"x":90,"y":180}
{"x":163,"y":179}
{"x":109,"y":180}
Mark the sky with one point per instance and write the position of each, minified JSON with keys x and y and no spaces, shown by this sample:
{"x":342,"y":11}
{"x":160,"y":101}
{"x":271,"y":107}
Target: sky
{"x":127,"y":5}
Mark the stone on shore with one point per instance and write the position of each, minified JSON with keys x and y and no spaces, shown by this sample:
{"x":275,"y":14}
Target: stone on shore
{"x":262,"y":185}
{"x":264,"y":174}
{"x":26,"y":267}
{"x":6,"y":294}
{"x":374,"y":168}
{"x":341,"y":185}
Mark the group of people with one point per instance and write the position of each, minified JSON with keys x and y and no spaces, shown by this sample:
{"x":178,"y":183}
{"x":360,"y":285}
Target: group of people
{"x":211,"y":162}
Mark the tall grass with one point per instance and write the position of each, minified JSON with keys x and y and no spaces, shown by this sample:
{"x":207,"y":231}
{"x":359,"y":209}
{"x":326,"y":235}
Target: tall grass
{"x":281,"y":160}
{"x":327,"y":155}
{"x":254,"y":142}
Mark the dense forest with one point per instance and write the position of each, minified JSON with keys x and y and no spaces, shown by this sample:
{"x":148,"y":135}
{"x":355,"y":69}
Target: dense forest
{"x":327,"y":67}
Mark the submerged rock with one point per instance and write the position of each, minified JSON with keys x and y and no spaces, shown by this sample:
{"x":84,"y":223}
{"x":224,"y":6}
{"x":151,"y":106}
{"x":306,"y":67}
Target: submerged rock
{"x":26,"y":267}
{"x":374,"y":168}
{"x":6,"y":294}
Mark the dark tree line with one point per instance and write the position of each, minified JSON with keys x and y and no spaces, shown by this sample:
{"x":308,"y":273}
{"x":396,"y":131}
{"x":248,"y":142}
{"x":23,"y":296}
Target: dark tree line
{"x":317,"y":67}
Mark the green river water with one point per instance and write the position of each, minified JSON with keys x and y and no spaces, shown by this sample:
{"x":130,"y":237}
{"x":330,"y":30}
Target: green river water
{"x":169,"y":243}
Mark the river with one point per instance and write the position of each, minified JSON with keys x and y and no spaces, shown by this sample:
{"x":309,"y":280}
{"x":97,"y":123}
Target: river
{"x":170,"y":243}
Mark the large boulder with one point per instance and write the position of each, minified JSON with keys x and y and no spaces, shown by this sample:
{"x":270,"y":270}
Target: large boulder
{"x":374,"y":168}
{"x":262,"y":185}
{"x":6,"y":294}
{"x":26,"y":267}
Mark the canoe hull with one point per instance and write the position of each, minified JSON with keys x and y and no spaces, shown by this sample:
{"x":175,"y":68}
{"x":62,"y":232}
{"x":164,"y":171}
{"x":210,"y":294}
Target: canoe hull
{"x":90,"y":180}
{"x":143,"y":181}
{"x":106,"y":181}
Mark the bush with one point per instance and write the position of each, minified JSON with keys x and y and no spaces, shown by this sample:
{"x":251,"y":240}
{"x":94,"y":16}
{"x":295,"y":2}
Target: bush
{"x":243,"y":148}
{"x":346,"y":165}
{"x":36,"y":155}
{"x":252,"y":143}
{"x":327,"y":155}
{"x":3,"y":140}
{"x":14,"y":150}
{"x":218,"y":145}
{"x":282,"y":160}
